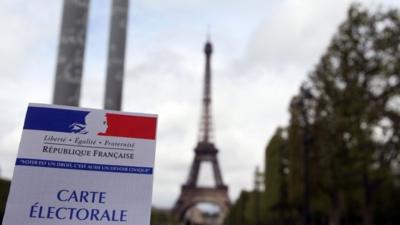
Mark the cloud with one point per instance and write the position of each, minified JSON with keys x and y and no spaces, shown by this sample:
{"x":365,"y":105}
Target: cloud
{"x":24,"y":34}
{"x":296,"y":33}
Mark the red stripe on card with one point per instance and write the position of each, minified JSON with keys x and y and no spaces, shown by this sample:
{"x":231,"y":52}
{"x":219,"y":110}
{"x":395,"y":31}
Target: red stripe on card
{"x":130,"y":126}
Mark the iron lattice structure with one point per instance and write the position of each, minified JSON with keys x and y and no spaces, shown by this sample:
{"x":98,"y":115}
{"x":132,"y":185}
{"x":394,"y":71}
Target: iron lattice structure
{"x":205,"y":151}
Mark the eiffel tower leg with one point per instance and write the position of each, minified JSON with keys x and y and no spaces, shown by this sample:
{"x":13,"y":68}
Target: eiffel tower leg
{"x":217,"y":173}
{"x":194,"y":172}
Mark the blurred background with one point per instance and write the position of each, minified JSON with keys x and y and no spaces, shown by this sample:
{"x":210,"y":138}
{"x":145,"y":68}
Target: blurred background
{"x":306,"y":99}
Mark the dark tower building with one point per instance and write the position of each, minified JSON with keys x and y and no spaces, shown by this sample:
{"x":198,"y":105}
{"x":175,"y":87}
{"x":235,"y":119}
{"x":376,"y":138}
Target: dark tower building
{"x":116,"y":54}
{"x":71,"y":50}
{"x":205,"y":151}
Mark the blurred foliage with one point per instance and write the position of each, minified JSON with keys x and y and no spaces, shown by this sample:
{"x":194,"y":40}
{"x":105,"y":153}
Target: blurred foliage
{"x":162,"y":217}
{"x":241,"y":212}
{"x":4,"y":188}
{"x":275,"y":201}
{"x":344,"y":124}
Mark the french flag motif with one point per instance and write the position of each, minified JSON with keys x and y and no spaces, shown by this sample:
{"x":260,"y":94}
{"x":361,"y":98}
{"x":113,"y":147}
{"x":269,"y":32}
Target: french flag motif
{"x":96,"y":122}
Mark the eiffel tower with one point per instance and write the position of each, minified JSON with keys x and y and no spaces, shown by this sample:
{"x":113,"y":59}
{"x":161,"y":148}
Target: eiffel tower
{"x":205,"y":151}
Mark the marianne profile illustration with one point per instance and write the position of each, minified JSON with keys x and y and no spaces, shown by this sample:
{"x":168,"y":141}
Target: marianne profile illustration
{"x":95,"y":123}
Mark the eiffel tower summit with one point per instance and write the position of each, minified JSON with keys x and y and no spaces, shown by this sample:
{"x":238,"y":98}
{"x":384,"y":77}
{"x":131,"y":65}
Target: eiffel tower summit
{"x":205,"y":151}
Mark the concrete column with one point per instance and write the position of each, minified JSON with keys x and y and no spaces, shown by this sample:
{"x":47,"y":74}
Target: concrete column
{"x":71,"y":50}
{"x":116,"y":54}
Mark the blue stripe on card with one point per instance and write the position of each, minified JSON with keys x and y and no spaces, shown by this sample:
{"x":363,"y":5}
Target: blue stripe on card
{"x":51,"y":119}
{"x":83,"y":166}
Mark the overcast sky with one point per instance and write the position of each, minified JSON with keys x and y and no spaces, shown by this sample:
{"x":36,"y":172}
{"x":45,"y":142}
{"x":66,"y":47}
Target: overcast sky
{"x":263,"y":50}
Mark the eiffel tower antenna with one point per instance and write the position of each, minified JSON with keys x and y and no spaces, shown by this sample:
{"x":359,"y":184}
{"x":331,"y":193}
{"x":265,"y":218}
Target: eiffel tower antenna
{"x":208,"y":33}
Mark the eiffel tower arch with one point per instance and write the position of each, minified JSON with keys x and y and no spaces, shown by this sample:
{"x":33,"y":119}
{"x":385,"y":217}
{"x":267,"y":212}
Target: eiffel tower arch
{"x":205,"y":151}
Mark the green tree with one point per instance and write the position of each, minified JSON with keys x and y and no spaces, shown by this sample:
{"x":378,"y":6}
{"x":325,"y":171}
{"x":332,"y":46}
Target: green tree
{"x":239,"y":212}
{"x":295,"y":150}
{"x":339,"y":154}
{"x":4,"y":189}
{"x":162,"y":217}
{"x":276,"y":208}
{"x":354,"y":111}
{"x":304,"y":161}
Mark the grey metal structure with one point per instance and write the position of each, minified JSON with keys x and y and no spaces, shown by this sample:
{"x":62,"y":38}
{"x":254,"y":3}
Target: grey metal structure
{"x":71,"y":51}
{"x":116,"y":54}
{"x":206,"y":130}
{"x":205,"y":151}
